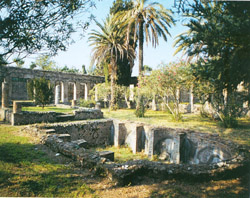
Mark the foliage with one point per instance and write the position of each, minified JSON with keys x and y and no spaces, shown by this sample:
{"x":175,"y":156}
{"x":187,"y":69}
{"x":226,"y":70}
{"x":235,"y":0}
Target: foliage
{"x":40,"y":91}
{"x":86,"y":103}
{"x":69,"y":70}
{"x":124,"y":66}
{"x":166,"y":83}
{"x":33,"y":65}
{"x":218,"y":35}
{"x":84,"y":69}
{"x":104,"y":93}
{"x":140,"y":109}
{"x":44,"y":62}
{"x":109,"y":44}
{"x":19,"y":62}
{"x":30,"y":26}
{"x":148,"y":21}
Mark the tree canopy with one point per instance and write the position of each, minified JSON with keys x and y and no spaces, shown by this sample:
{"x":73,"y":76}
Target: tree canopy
{"x":29,"y":26}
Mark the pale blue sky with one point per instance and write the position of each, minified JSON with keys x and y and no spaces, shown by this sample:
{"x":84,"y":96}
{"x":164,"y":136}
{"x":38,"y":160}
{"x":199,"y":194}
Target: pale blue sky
{"x":79,"y":53}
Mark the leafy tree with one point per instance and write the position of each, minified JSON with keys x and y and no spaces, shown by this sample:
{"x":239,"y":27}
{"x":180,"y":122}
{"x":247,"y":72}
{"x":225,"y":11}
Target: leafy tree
{"x":149,"y":21}
{"x":84,"y":69}
{"x":19,"y":62}
{"x":33,"y":65}
{"x":40,"y":91}
{"x":124,"y":69}
{"x":29,"y":26}
{"x":219,"y":35}
{"x":69,"y":70}
{"x":166,"y":83}
{"x":44,"y":62}
{"x":109,"y":44}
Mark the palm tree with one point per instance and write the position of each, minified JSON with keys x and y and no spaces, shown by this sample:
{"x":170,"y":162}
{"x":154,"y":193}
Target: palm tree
{"x":109,"y":45}
{"x":149,"y":21}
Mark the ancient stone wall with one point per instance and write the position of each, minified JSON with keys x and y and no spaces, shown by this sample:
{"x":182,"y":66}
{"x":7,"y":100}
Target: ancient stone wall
{"x":96,"y":133}
{"x":67,"y":86}
{"x":28,"y":117}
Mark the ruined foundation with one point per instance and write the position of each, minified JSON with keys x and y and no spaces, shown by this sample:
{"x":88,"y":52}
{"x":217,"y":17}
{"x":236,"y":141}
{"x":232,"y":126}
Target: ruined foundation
{"x":182,"y":153}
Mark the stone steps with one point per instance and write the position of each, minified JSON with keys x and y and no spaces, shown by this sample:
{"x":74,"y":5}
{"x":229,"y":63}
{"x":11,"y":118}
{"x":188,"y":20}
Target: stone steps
{"x":64,"y":118}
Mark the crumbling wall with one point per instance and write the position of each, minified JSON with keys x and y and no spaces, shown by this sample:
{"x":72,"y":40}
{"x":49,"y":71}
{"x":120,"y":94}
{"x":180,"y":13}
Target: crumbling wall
{"x":96,"y":133}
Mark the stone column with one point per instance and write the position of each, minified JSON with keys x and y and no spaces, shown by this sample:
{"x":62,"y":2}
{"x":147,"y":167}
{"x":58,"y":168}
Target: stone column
{"x":5,"y":94}
{"x":191,"y":99}
{"x":96,"y":94}
{"x":154,"y":106}
{"x":57,"y":87}
{"x":78,"y":87}
{"x":86,"y":91}
{"x":17,"y":107}
{"x":74,"y":92}
{"x":131,"y":92}
{"x":64,"y":92}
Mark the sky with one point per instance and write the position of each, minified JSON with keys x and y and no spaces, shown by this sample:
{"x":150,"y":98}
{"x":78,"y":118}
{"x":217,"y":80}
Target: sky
{"x":79,"y":53}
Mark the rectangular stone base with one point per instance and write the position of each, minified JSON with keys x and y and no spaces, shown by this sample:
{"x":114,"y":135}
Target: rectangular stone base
{"x":108,"y":155}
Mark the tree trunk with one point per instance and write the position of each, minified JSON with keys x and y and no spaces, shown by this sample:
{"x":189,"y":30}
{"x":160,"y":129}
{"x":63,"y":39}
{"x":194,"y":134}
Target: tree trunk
{"x":113,"y":73}
{"x":140,"y":47}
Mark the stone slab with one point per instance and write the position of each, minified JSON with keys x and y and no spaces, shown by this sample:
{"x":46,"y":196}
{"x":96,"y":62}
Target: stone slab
{"x":65,"y":137}
{"x":108,"y":155}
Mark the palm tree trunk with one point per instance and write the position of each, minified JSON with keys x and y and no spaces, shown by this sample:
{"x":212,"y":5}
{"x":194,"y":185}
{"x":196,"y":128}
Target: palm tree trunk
{"x":113,"y":73}
{"x":140,"y":47}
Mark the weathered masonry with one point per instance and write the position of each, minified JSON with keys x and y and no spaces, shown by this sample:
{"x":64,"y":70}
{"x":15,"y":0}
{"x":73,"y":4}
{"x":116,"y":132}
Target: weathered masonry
{"x":67,"y":86}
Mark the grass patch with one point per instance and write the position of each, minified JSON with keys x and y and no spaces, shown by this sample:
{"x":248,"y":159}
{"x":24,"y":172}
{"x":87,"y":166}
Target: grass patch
{"x":123,"y":153}
{"x":26,"y":171}
{"x":45,"y":109}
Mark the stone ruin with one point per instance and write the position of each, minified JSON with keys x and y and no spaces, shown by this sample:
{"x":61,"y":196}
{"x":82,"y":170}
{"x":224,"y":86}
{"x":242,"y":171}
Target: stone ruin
{"x":181,"y":153}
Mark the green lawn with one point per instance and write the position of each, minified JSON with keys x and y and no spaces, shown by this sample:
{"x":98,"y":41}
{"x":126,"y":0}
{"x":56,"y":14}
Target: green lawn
{"x":26,"y":171}
{"x":56,"y":109}
{"x":241,"y":134}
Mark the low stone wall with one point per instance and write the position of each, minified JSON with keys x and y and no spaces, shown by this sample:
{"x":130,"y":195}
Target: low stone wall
{"x":6,"y":114}
{"x":84,"y":114}
{"x":28,"y":117}
{"x":96,"y":133}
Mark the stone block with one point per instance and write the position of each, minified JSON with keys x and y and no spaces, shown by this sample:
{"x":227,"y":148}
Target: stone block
{"x":81,"y":143}
{"x":49,"y":131}
{"x":65,"y":137}
{"x":108,"y":155}
{"x":17,"y":107}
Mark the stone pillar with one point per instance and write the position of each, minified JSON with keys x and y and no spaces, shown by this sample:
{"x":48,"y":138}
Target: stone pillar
{"x":131,"y":92}
{"x":74,"y":91}
{"x":78,"y":87}
{"x":57,"y":94}
{"x":86,"y":94}
{"x":154,"y":106}
{"x":62,"y":92}
{"x":17,"y":107}
{"x":96,"y":94}
{"x":191,"y":99}
{"x":65,"y":92}
{"x":5,"y":94}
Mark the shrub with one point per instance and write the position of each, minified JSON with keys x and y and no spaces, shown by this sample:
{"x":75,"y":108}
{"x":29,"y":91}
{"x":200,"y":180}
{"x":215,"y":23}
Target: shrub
{"x":86,"y":103}
{"x":140,"y":109}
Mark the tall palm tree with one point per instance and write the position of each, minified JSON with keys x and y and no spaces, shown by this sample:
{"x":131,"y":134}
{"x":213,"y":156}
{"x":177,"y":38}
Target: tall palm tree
{"x":150,"y":21}
{"x":109,"y":45}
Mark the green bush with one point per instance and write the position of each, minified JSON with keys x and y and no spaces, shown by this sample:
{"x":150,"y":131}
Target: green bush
{"x":86,"y":103}
{"x":140,"y":109}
